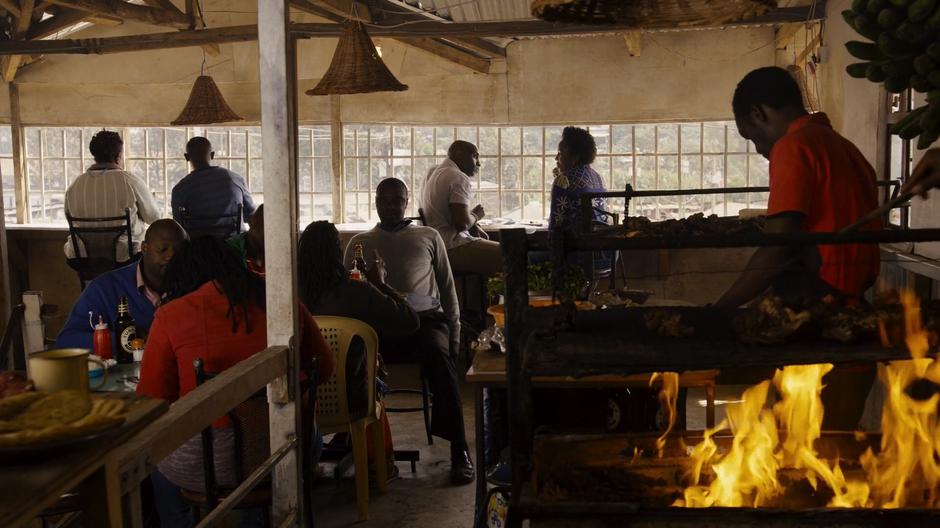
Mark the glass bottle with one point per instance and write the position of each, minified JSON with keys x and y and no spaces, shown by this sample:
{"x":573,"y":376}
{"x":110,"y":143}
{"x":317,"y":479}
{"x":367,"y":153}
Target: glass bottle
{"x":125,"y":332}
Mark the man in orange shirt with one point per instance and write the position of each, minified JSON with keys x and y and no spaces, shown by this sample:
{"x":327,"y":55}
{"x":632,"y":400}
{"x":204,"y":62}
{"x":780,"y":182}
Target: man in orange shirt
{"x":819,"y":182}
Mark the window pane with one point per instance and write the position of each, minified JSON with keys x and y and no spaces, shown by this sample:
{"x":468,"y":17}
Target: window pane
{"x":176,"y":142}
{"x":155,"y":142}
{"x":304,"y":146}
{"x":424,"y":141}
{"x":510,"y":141}
{"x":668,"y":172}
{"x":322,"y":175}
{"x":735,"y":142}
{"x":177,"y":169}
{"x":445,"y":136}
{"x":601,"y":135}
{"x":713,"y":171}
{"x":381,"y":141}
{"x":489,"y":174}
{"x":135,"y":143}
{"x":668,"y":139}
{"x":691,"y":138}
{"x":645,"y":136}
{"x":552,"y":138}
{"x":622,"y":172}
{"x":468,"y":134}
{"x":402,"y":141}
{"x":512,"y":205}
{"x":691,"y":170}
{"x":54,"y":174}
{"x":758,"y":171}
{"x":305,"y":176}
{"x":532,"y":141}
{"x":255,"y":176}
{"x":511,"y":173}
{"x":322,"y":143}
{"x":532,"y":173}
{"x":714,"y":137}
{"x":602,"y":167}
{"x":622,"y":139}
{"x":489,"y":141}
{"x":73,"y":143}
{"x":33,"y":142}
{"x":646,"y":173}
{"x":737,"y":171}
{"x":34,"y":174}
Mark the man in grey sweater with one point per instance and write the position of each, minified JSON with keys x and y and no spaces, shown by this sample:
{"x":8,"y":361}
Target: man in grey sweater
{"x":416,"y":261}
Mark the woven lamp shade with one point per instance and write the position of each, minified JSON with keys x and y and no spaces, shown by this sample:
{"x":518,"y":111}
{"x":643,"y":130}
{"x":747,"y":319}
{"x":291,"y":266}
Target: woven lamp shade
{"x":206,"y":105}
{"x":651,"y":14}
{"x":356,"y":67}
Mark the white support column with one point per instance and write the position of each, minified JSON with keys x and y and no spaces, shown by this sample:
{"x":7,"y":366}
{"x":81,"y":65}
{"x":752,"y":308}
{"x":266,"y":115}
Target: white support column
{"x":279,"y":144}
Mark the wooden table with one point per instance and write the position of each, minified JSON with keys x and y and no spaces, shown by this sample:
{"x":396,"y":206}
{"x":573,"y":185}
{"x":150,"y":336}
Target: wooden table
{"x":489,"y":371}
{"x":31,"y":486}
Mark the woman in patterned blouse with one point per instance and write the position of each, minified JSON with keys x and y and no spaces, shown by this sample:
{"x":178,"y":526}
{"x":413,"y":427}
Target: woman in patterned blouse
{"x":574,"y":176}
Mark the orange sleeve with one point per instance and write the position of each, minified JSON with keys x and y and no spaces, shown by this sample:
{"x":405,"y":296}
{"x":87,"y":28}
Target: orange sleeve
{"x":159,"y":377}
{"x":313,"y":345}
{"x":792,"y":178}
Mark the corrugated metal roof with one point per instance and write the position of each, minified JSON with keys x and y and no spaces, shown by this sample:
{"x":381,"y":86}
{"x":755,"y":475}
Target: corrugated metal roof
{"x":475,"y":10}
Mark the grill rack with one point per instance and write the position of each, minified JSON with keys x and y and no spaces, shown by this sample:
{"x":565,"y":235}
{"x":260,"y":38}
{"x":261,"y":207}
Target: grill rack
{"x":530,"y":353}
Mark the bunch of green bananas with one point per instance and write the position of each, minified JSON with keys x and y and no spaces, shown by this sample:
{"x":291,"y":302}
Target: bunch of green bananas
{"x":903,"y":52}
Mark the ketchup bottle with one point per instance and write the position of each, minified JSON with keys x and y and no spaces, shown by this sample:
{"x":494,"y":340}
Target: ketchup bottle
{"x":102,"y":339}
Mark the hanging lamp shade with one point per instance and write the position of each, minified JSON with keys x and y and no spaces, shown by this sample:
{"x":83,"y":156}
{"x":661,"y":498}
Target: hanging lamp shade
{"x":651,"y":14}
{"x":206,"y":105}
{"x":356,"y":66}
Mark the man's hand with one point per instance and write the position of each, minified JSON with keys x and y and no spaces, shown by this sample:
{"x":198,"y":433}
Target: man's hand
{"x":478,"y":232}
{"x":479,"y":212}
{"x":926,"y":174}
{"x":376,"y":273}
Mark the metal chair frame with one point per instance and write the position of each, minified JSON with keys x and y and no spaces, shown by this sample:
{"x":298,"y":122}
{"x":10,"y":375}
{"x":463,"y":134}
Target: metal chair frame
{"x":90,"y":266}
{"x":223,"y":230}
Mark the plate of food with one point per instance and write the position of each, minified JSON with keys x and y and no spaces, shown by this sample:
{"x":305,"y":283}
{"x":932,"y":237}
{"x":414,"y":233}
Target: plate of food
{"x":37,"y":422}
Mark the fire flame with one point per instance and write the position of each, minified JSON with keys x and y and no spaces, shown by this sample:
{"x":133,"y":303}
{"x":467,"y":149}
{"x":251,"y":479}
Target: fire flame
{"x":668,"y":394}
{"x":905,"y":471}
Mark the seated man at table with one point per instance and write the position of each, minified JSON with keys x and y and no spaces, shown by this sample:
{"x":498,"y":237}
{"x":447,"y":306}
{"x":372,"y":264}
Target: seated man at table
{"x":417,"y":263}
{"x":445,"y":200}
{"x":141,"y":282}
{"x":209,"y":192}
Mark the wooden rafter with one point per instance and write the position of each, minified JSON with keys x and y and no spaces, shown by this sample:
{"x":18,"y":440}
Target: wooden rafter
{"x":394,"y":13}
{"x":127,"y":11}
{"x":11,"y":6}
{"x":244,"y":33}
{"x":62,"y":20}
{"x":163,"y":4}
{"x":339,"y":11}
{"x":9,"y":65}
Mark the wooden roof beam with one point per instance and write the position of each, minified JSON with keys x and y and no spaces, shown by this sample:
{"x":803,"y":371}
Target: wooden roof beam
{"x":127,"y":11}
{"x":392,"y":13}
{"x":10,"y":65}
{"x":339,"y":10}
{"x":11,"y":6}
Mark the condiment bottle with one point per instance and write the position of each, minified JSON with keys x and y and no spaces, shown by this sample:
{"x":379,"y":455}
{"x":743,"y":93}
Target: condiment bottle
{"x":126,"y":332}
{"x":355,"y":273}
{"x":102,"y":339}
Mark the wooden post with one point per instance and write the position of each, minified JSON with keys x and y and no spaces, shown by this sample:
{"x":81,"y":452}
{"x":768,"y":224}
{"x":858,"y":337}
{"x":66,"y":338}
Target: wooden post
{"x":21,"y":186}
{"x":279,"y":142}
{"x":5,"y":294}
{"x":336,"y":141}
{"x":518,"y":387}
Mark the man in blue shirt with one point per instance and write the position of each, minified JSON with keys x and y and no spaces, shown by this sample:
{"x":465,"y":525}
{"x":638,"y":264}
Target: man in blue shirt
{"x":140,"y":281}
{"x":209,"y":193}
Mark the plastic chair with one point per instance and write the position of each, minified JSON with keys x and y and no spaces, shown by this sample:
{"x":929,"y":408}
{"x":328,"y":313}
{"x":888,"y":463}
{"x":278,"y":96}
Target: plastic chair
{"x":333,"y":414}
{"x":222,"y":226}
{"x":95,"y":242}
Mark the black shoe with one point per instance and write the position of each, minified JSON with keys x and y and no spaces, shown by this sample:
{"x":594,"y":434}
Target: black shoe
{"x":461,"y":468}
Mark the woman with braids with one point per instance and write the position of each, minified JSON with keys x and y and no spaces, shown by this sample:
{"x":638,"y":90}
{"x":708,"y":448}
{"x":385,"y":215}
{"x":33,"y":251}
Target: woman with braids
{"x":326,"y":289}
{"x":214,"y":310}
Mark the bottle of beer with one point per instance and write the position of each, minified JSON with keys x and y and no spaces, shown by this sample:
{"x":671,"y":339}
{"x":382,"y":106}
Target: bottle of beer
{"x":355,"y":273}
{"x":125,"y":332}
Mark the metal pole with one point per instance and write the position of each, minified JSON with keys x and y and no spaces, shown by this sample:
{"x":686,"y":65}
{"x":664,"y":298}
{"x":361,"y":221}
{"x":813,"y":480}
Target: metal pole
{"x":279,"y":144}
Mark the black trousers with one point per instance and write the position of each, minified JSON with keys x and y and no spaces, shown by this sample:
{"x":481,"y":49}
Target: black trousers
{"x":430,"y":346}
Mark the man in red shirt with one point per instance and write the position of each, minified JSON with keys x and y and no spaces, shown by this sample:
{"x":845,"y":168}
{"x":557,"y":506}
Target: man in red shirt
{"x":819,"y":182}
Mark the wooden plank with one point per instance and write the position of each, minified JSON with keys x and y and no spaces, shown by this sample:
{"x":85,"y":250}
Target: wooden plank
{"x":153,"y":41}
{"x":127,"y":11}
{"x":335,"y":10}
{"x":32,"y":485}
{"x":11,"y":6}
{"x":447,"y":51}
{"x":336,"y":143}
{"x":166,"y":5}
{"x":9,"y":65}
{"x":279,"y":142}
{"x":188,"y":416}
{"x":19,"y":166}
{"x":59,"y":22}
{"x":394,"y":13}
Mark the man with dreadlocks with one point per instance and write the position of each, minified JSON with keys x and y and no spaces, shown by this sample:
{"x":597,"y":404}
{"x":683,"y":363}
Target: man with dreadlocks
{"x":417,"y":263}
{"x":215,"y":311}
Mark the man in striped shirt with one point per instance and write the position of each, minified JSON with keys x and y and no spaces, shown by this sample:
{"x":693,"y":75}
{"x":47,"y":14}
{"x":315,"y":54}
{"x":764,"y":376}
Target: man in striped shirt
{"x":209,"y":194}
{"x":106,"y":189}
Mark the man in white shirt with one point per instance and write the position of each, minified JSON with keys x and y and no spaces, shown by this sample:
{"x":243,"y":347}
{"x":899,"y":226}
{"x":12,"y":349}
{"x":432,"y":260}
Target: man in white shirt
{"x":446,"y":199}
{"x":106,"y":189}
